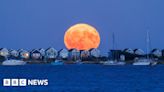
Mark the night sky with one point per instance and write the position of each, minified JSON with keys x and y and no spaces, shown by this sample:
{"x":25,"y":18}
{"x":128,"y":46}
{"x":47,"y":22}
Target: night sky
{"x":42,"y":23}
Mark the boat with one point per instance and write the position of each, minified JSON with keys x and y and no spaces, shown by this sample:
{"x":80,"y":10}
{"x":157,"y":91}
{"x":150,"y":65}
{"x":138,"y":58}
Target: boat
{"x":13,"y":62}
{"x":57,"y":62}
{"x":111,"y":62}
{"x":79,"y":62}
{"x":153,"y":63}
{"x":142,"y":62}
{"x":114,"y":61}
{"x":147,"y":60}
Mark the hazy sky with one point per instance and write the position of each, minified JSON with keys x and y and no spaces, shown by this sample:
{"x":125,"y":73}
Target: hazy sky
{"x":42,"y":23}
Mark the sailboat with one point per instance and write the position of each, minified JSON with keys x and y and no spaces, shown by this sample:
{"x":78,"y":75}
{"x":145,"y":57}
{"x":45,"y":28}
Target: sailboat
{"x":147,"y":60}
{"x":142,"y":62}
{"x":114,"y":61}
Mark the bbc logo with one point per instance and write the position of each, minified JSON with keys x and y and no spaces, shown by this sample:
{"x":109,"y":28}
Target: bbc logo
{"x":14,"y":82}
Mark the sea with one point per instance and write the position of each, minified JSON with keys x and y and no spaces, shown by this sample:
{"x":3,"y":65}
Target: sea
{"x":87,"y":78}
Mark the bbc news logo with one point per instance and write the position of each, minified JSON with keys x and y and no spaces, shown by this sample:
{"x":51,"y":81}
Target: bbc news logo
{"x":25,"y":82}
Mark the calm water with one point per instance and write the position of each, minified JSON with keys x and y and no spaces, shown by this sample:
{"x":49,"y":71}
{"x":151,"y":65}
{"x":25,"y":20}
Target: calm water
{"x":87,"y":78}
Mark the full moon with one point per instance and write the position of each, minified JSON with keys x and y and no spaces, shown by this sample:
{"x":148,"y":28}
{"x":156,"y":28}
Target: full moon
{"x":81,"y":37}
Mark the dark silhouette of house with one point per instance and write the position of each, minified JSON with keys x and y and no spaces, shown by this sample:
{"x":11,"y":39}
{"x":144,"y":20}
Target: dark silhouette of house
{"x":4,"y":54}
{"x":63,"y":54}
{"x":24,"y":54}
{"x":51,"y":54}
{"x":156,"y":53}
{"x":84,"y":55}
{"x":114,"y":54}
{"x":74,"y":54}
{"x":35,"y":54}
{"x":14,"y":54}
{"x":94,"y":54}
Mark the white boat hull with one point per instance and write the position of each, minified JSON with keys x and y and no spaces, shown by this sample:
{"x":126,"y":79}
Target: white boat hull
{"x":142,"y":63}
{"x":113,"y":63}
{"x":57,"y":63}
{"x":13,"y":62}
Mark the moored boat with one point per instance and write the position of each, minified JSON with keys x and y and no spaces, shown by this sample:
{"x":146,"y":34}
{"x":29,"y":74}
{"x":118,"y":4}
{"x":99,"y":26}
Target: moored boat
{"x":142,"y":62}
{"x":114,"y":63}
{"x":57,"y":62}
{"x":13,"y":62}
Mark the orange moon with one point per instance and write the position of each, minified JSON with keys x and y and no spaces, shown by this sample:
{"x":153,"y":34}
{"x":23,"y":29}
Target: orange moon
{"x":82,"y":37}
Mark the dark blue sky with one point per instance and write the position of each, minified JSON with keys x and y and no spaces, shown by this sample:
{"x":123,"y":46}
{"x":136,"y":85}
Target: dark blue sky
{"x":42,"y":23}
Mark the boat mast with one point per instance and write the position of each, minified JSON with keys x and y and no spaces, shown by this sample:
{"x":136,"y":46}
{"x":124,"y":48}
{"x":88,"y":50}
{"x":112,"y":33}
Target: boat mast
{"x":113,"y":36}
{"x":148,"y":44}
{"x":115,"y":57}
